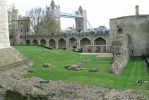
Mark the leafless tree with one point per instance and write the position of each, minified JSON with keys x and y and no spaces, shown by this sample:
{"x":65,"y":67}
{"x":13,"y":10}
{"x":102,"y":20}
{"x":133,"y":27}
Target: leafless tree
{"x":37,"y":16}
{"x":43,"y":22}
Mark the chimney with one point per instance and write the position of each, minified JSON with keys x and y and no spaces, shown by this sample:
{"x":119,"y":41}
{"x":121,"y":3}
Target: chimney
{"x":137,"y":10}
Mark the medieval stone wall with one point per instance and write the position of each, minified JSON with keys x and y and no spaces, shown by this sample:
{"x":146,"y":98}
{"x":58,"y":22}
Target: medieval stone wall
{"x":120,"y":48}
{"x":69,"y":39}
{"x":4,"y":34}
{"x":137,"y":29}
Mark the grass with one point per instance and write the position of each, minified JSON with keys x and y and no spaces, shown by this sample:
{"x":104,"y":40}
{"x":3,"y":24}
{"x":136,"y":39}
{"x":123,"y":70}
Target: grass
{"x":135,"y":69}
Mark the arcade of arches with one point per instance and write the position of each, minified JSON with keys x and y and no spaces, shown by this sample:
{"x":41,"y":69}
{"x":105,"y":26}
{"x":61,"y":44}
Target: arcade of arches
{"x":98,"y":44}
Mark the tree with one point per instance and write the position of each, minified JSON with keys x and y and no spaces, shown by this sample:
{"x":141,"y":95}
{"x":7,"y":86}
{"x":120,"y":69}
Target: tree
{"x":51,"y":25}
{"x":43,"y":22}
{"x":37,"y":16}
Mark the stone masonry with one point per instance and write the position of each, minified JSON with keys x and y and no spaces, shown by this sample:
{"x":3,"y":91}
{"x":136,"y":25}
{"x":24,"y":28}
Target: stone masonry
{"x":120,"y":53}
{"x":4,"y":34}
{"x":137,"y":29}
{"x":129,"y":36}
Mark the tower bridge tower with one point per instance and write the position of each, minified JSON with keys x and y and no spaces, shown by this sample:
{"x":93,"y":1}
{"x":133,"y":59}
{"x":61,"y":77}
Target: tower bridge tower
{"x":54,"y":10}
{"x":81,"y":22}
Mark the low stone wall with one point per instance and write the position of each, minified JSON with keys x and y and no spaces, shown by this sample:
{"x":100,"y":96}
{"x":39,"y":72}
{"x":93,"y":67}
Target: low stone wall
{"x":99,"y":54}
{"x":120,"y":53}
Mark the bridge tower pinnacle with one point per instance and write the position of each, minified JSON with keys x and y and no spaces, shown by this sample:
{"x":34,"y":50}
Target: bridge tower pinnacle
{"x":53,"y":9}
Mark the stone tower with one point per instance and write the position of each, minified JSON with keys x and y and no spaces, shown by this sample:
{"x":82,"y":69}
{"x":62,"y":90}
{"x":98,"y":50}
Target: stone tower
{"x":4,"y":34}
{"x":136,"y":27}
{"x":54,"y":10}
{"x":129,"y":36}
{"x":81,"y":22}
{"x":19,"y":26}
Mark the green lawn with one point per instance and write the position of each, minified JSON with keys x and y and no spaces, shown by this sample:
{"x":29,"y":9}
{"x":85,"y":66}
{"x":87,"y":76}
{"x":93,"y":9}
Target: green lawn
{"x":134,"y":70}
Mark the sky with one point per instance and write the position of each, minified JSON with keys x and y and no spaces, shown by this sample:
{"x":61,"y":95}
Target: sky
{"x":98,"y":11}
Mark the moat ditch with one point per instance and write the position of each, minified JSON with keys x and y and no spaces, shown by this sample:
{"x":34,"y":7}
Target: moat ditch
{"x":13,"y":86}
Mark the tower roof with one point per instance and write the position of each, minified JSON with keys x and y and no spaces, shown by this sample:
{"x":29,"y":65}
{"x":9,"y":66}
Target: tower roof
{"x":80,"y":9}
{"x":52,"y":5}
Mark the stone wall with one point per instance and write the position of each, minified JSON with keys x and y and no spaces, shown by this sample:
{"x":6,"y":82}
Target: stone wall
{"x":120,"y":48}
{"x":70,"y":39}
{"x":137,"y":28}
{"x":4,"y":34}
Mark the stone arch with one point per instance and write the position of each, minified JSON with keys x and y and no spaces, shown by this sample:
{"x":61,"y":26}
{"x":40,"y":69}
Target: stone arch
{"x":43,"y":42}
{"x":102,"y":42}
{"x":84,"y":41}
{"x":35,"y":42}
{"x":52,"y":43}
{"x":72,"y":42}
{"x":62,"y":43}
{"x":99,"y":41}
{"x":27,"y":42}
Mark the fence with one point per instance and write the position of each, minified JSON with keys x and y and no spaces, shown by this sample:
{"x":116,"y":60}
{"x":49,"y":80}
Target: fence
{"x":97,"y":49}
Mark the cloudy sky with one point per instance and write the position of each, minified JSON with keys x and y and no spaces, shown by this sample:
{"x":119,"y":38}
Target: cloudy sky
{"x":98,"y":11}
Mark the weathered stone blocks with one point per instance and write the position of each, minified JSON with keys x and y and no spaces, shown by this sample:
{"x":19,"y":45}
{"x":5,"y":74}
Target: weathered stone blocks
{"x":120,"y":53}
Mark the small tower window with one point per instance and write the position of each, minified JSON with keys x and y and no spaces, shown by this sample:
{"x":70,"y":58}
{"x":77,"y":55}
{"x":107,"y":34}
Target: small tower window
{"x":21,"y":30}
{"x":27,"y":30}
{"x":120,"y":30}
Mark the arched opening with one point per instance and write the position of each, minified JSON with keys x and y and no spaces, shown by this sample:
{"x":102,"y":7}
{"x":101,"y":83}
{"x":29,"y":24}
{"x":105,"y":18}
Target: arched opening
{"x":43,"y":42}
{"x":72,"y":43}
{"x":99,"y":41}
{"x":35,"y":42}
{"x":102,"y":45}
{"x":52,"y":43}
{"x":85,"y":41}
{"x":120,"y":30}
{"x":61,"y":44}
{"x":27,"y":42}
